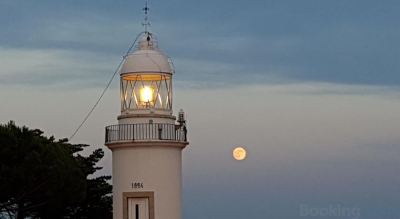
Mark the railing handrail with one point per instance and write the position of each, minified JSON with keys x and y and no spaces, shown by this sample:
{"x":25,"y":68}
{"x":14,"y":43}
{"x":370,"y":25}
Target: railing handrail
{"x":145,"y":131}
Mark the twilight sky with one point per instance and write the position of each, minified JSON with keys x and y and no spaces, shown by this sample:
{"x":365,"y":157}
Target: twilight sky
{"x":310,"y":88}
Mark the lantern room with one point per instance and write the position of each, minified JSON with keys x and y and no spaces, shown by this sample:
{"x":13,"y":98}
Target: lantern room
{"x":146,"y":78}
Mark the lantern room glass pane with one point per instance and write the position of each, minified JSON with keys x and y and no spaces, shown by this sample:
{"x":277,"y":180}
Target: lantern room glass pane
{"x":146,"y":91}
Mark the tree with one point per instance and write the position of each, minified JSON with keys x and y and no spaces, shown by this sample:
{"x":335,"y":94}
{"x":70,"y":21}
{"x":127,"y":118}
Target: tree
{"x":98,"y":202}
{"x":44,"y":178}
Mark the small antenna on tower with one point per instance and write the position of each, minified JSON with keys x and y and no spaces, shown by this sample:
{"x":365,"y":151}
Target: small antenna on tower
{"x":146,"y":22}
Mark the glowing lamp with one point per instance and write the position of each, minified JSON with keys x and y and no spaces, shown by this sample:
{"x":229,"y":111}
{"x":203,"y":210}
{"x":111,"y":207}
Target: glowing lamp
{"x":146,"y":94}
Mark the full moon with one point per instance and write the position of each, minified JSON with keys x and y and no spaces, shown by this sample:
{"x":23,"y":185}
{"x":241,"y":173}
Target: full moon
{"x":239,"y":153}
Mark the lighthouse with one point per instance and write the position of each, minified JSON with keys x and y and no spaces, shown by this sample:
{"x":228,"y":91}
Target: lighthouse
{"x":148,"y":140}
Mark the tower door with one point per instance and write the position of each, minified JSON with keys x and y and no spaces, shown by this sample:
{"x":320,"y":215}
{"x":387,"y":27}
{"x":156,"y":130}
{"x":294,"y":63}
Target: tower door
{"x":138,"y":208}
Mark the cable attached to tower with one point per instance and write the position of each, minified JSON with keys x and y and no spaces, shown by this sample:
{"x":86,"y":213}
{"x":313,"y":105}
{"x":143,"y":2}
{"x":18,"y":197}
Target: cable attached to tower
{"x":106,"y":88}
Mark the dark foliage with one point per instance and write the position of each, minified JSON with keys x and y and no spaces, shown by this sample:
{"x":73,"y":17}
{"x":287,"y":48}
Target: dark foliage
{"x":44,"y":178}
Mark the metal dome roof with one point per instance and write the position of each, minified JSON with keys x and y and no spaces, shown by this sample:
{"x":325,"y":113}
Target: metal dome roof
{"x":147,"y":58}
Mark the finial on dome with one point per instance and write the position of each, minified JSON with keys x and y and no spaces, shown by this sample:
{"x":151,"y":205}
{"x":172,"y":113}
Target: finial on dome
{"x":146,"y":22}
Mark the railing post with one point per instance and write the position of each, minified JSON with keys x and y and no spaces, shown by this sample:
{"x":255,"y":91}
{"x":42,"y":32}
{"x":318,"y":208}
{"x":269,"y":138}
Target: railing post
{"x":118,"y":132}
{"x":133,"y":132}
{"x":185,"y":132}
{"x":106,"y":135}
{"x":159,"y":131}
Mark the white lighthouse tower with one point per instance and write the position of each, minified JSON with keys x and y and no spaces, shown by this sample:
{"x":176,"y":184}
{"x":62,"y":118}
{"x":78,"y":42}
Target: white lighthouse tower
{"x":148,"y":140}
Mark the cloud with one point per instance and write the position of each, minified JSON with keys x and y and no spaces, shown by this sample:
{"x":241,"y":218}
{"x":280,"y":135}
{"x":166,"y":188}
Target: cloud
{"x":258,"y":43}
{"x":47,"y":67}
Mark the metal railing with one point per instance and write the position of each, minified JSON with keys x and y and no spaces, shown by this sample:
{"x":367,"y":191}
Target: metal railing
{"x":145,"y":131}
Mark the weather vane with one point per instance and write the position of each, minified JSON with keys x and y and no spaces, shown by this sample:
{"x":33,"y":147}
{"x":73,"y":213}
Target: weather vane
{"x":146,"y":22}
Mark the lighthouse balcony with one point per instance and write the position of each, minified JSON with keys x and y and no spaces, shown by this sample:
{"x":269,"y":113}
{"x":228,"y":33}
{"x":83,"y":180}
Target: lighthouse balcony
{"x":145,"y":132}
